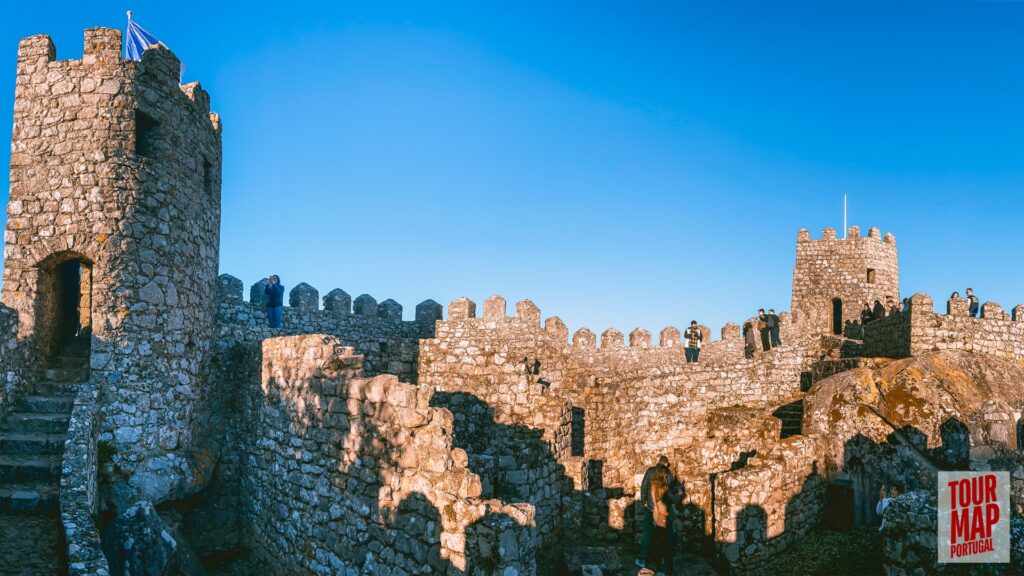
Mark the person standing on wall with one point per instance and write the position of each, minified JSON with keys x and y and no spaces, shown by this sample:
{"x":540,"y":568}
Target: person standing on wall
{"x":694,"y":337}
{"x":975,"y":304}
{"x":774,"y":324}
{"x":878,"y":312}
{"x":274,"y":292}
{"x":749,"y":341}
{"x":762,"y":327}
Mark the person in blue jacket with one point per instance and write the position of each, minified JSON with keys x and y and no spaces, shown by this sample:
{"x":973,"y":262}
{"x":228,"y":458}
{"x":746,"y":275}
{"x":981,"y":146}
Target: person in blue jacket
{"x":275,"y":300}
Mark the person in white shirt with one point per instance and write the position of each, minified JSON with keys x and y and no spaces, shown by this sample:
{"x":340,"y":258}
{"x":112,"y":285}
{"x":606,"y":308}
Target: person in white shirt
{"x":884,"y":500}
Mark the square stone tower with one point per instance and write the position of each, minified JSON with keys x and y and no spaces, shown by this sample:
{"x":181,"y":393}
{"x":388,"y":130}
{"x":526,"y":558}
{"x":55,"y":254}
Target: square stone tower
{"x":835,"y":277}
{"x":113,"y":229}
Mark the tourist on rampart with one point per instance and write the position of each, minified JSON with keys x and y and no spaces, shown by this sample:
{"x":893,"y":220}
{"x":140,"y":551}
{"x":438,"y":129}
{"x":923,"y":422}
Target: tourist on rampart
{"x":749,"y":341}
{"x":774,"y":324}
{"x":891,"y":305}
{"x":885,"y":499}
{"x":647,"y":508}
{"x":694,"y":337}
{"x":762,"y":327}
{"x":906,"y":305}
{"x":274,"y":292}
{"x":975,"y":304}
{"x":878,"y":312}
{"x":954,"y":296}
{"x":866,"y":315}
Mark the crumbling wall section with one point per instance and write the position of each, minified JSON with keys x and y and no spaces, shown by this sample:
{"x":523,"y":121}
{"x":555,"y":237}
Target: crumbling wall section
{"x":344,"y":472}
{"x":763,"y":508}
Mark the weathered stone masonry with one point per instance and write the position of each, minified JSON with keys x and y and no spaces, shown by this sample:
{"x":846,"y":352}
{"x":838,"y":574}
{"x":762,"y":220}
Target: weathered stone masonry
{"x":344,"y":472}
{"x":116,"y":166}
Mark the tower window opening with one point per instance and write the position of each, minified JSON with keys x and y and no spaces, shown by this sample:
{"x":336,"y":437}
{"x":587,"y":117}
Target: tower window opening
{"x":208,"y":178}
{"x":145,"y":135}
{"x":871,"y":275}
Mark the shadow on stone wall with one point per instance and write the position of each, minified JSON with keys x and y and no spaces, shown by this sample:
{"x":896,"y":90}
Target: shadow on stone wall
{"x":903,"y":459}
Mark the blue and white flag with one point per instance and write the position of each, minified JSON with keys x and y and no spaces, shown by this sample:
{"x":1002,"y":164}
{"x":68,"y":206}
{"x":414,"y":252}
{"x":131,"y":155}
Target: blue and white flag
{"x":137,"y":40}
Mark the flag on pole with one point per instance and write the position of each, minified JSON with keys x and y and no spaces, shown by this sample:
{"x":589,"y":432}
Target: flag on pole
{"x":137,"y":40}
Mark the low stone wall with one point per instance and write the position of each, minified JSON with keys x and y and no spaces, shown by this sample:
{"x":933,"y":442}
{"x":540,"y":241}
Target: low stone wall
{"x":888,"y":337}
{"x":15,"y":377}
{"x":763,"y":508}
{"x":78,"y":489}
{"x":343,"y":472}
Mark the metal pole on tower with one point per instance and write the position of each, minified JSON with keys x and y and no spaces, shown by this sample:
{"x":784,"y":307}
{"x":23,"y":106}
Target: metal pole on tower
{"x":844,"y":216}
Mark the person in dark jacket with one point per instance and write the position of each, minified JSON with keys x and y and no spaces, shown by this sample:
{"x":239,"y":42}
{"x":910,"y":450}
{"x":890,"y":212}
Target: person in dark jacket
{"x":878,"y":312}
{"x":274,"y":292}
{"x":762,"y":327}
{"x":975,"y":304}
{"x":773,"y":327}
{"x":894,"y":308}
{"x":749,"y":341}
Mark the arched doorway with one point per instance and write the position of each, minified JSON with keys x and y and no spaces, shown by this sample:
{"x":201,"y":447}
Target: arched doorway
{"x":837,"y":316}
{"x":64,"y":304}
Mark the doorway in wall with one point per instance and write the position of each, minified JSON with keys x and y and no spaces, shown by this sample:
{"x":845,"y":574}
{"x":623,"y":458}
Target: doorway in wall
{"x":837,"y":316}
{"x":64,"y":312}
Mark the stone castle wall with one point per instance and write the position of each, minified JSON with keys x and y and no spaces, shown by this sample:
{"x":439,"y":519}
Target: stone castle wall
{"x":388,"y":344}
{"x":116,"y":165}
{"x":632,"y":403}
{"x":856,"y":270}
{"x":764,"y":507}
{"x":15,"y":361}
{"x":922,"y":330}
{"x":344,"y":472}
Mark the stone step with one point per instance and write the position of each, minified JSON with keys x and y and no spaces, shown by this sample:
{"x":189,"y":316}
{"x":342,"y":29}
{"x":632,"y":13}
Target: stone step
{"x":37,"y":497}
{"x":65,"y":374}
{"x":29,"y":444}
{"x":45,"y":404}
{"x":25,"y":469}
{"x":58,"y":389}
{"x":30,"y":423}
{"x":70,"y":362}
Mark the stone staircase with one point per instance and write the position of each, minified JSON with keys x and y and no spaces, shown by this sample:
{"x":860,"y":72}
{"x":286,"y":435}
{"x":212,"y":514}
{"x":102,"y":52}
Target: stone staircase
{"x":32,"y":435}
{"x":792,"y":416}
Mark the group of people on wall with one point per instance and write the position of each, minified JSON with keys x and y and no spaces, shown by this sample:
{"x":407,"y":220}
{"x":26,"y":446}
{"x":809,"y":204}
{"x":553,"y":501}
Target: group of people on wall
{"x":768,"y":326}
{"x":870,"y":313}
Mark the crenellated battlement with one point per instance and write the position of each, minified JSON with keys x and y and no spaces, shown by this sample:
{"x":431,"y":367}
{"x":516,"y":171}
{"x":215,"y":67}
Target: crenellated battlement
{"x":612,"y":346}
{"x":304,"y":298}
{"x":920,"y":330}
{"x":102,"y":65}
{"x":853,"y":234}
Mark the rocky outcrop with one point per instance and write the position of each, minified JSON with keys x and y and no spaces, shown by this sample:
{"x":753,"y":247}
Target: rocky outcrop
{"x":934,"y":409}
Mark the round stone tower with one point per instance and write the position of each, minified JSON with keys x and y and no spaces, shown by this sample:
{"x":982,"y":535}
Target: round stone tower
{"x":835,"y":277}
{"x":113,"y":230}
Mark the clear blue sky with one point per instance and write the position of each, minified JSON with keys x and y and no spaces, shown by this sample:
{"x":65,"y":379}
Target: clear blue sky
{"x":631,"y":164}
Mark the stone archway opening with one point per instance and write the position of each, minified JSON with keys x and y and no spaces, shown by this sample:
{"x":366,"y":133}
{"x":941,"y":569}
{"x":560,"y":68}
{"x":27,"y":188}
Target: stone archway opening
{"x":64,"y":304}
